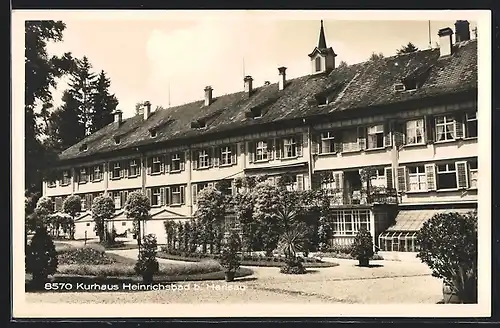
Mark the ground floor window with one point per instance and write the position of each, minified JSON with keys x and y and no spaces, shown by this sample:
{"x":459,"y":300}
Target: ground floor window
{"x":349,"y":222}
{"x":398,"y":241}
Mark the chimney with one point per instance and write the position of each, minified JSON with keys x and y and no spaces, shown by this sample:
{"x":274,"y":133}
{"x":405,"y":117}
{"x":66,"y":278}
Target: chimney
{"x":208,"y":95}
{"x":282,"y":80}
{"x":118,"y":114}
{"x":147,"y":110}
{"x":445,"y":42}
{"x":462,"y":31}
{"x":248,"y":84}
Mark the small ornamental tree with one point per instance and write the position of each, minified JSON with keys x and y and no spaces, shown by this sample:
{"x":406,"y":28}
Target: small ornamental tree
{"x":103,"y":209}
{"x":41,"y":257}
{"x":146,"y":264}
{"x":362,"y":247}
{"x":293,"y":240}
{"x":137,"y":208}
{"x":72,"y":205}
{"x":448,"y":245}
{"x":193,"y":237}
{"x":169,"y":231}
{"x":229,"y":257}
{"x":210,"y":213}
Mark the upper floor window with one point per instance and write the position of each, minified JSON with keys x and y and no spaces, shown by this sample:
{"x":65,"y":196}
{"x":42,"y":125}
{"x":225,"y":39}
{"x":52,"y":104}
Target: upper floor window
{"x":51,"y":183}
{"x":176,"y":195}
{"x":97,"y":173}
{"x":203,"y":159}
{"x":290,"y":147}
{"x":117,"y":199}
{"x":350,"y":140}
{"x":176,"y":162}
{"x":156,"y":165}
{"x":417,"y":178}
{"x":83,"y":177}
{"x":66,"y":178}
{"x":445,"y":128}
{"x":327,"y":143}
{"x":375,"y":136}
{"x":133,"y":168}
{"x":415,"y":132}
{"x":473,"y":174}
{"x":156,"y":196}
{"x":446,"y":176}
{"x":261,"y":151}
{"x":225,"y":155}
{"x":317,"y":63}
{"x":471,"y":125}
{"x":116,"y":172}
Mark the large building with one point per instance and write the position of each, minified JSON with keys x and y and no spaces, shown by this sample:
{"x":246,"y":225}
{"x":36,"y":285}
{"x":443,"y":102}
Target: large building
{"x":412,"y":118}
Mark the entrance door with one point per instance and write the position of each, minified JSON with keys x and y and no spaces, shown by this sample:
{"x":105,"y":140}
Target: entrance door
{"x":395,"y":244}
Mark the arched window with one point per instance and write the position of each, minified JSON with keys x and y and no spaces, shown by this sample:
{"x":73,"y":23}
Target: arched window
{"x":318,"y":64}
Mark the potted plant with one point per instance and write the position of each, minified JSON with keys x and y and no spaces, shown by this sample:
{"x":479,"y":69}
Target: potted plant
{"x":146,"y":264}
{"x":229,"y":258}
{"x":448,"y":245}
{"x":362,"y":247}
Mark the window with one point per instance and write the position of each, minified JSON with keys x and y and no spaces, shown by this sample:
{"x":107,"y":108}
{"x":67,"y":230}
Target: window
{"x":51,"y":183}
{"x":98,"y":174}
{"x":415,"y":132}
{"x":176,"y":195}
{"x":83,"y":202}
{"x":117,"y":140}
{"x":176,"y":162}
{"x":83,"y":177}
{"x":318,"y":64}
{"x":446,"y":176}
{"x":117,"y":199}
{"x":471,"y":125}
{"x":290,"y":182}
{"x":261,"y":151}
{"x":328,"y":183}
{"x":88,"y":224}
{"x":376,"y":136}
{"x":445,"y":128}
{"x":66,"y":178}
{"x":327,"y":143}
{"x":153,"y":133}
{"x":133,"y":168}
{"x":290,"y":147}
{"x":156,"y":167}
{"x":124,"y":224}
{"x":350,"y":140}
{"x":225,"y":155}
{"x":203,"y":159}
{"x":473,"y":174}
{"x":349,"y":222}
{"x":115,"y":174}
{"x":155,"y":196}
{"x":417,"y":177}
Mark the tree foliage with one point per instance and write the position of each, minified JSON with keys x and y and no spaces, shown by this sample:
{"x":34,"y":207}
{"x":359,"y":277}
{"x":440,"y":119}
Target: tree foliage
{"x":103,"y":103}
{"x":376,"y":56}
{"x":229,"y":256}
{"x":147,"y":264}
{"x":410,"y":47}
{"x":72,"y":205}
{"x":137,"y":207}
{"x":103,"y":209}
{"x":448,"y":245}
{"x":362,"y":247}
{"x":210,"y":214}
{"x":41,"y":256}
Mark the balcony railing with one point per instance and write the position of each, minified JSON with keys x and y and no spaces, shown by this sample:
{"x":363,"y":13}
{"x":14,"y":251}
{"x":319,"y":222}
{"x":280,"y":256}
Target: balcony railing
{"x":376,"y":195}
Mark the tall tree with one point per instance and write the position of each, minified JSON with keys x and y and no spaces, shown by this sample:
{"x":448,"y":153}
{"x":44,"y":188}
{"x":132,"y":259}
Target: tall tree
{"x":82,"y":84}
{"x":376,"y":56}
{"x":103,"y":103}
{"x":343,"y":63}
{"x":410,"y":47}
{"x":41,"y":73}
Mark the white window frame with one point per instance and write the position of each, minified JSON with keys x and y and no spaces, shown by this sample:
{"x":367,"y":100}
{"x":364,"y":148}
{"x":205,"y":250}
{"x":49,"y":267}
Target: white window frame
{"x":83,"y":176}
{"x":373,"y":133}
{"x":225,"y":156}
{"x":117,"y":199}
{"x":261,"y":151}
{"x":203,"y":159}
{"x":116,"y":170}
{"x":51,"y":183}
{"x":133,"y":166}
{"x":293,"y":184}
{"x":447,"y":120}
{"x":327,"y":142}
{"x":450,"y":168}
{"x":350,"y":146}
{"x":175,"y":191}
{"x":97,"y":173}
{"x":473,"y":175}
{"x":328,"y":184}
{"x":317,"y":64}
{"x":340,"y":224}
{"x":417,"y":178}
{"x":176,"y":162}
{"x":156,"y":195}
{"x":289,"y":147}
{"x":155,"y":161}
{"x":66,"y":178}
{"x":469,"y":119}
{"x":415,"y":132}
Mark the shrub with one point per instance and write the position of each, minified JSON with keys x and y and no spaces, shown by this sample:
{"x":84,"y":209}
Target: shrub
{"x":147,"y":265}
{"x":229,"y":258}
{"x":103,"y":209}
{"x":293,"y":266}
{"x":72,"y":205}
{"x":41,"y":257}
{"x":448,"y":245}
{"x":362,"y":247}
{"x":85,"y":255}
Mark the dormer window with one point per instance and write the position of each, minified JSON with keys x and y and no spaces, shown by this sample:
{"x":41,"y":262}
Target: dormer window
{"x":257,"y":114}
{"x":254,"y":113}
{"x":84,"y":147}
{"x":318,"y":64}
{"x":152,"y":133}
{"x":117,"y":140}
{"x":399,"y":87}
{"x":322,"y":101}
{"x":410,"y":84}
{"x":198,"y":124}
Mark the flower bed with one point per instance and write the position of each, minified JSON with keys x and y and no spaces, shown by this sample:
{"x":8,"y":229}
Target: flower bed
{"x":84,"y":256}
{"x":247,"y":260}
{"x":344,"y":252}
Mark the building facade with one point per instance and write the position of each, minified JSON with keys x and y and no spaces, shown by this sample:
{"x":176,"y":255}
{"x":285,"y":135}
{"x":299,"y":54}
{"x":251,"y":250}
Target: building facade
{"x":406,"y":123}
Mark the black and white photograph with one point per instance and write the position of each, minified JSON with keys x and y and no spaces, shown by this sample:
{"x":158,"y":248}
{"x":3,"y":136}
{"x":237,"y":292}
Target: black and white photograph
{"x":251,"y":163}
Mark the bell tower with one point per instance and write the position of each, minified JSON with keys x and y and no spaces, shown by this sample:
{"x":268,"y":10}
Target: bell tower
{"x":322,"y":57}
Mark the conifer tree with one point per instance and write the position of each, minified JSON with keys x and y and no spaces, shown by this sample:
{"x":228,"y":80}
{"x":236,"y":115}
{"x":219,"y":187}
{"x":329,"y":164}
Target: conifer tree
{"x":104,"y":103}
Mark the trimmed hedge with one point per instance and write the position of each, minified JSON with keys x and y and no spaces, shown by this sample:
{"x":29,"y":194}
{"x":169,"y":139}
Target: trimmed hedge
{"x":84,"y":256}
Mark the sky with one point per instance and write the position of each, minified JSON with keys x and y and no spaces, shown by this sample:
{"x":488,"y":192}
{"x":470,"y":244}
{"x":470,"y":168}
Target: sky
{"x":170,"y":61}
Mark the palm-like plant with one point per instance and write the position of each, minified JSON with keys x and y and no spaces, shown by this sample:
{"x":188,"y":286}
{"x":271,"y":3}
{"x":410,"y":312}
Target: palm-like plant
{"x":293,"y":240}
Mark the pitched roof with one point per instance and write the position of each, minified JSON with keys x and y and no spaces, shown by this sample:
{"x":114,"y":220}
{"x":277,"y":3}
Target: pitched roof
{"x":362,"y":85}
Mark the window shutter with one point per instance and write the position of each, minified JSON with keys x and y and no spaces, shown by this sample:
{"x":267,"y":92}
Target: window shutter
{"x":215,"y":159}
{"x":270,"y":146}
{"x":88,"y":201}
{"x":91,"y":175}
{"x":122,"y":199}
{"x":58,"y":204}
{"x":429,"y":128}
{"x":430,"y":174}
{"x":149,"y":164}
{"x":251,"y":151}
{"x":388,"y":134}
{"x":183,"y":161}
{"x":183,"y":194}
{"x":277,"y":148}
{"x":362,"y":137}
{"x":125,"y":197}
{"x":401,"y":179}
{"x":148,"y":194}
{"x":338,"y":176}
{"x":194,"y":193}
{"x":400,"y":134}
{"x":459,"y":126}
{"x":315,"y":181}
{"x":168,"y":162}
{"x":300,"y":182}
{"x":162,"y":196}
{"x":388,"y":178}
{"x":211,"y":157}
{"x":300,"y":145}
{"x":315,"y":140}
{"x":125,"y":165}
{"x":234,"y":154}
{"x":122,"y":169}
{"x":307,"y":183}
{"x":194,"y":160}
{"x":168,"y":196}
{"x":162,"y":163}
{"x":462,"y":176}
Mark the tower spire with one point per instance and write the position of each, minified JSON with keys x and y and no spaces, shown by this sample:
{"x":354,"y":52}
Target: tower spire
{"x":322,"y":40}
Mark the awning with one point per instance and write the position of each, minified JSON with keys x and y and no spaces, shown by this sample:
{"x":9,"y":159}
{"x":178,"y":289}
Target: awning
{"x":413,"y":220}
